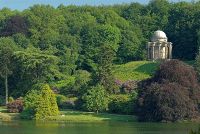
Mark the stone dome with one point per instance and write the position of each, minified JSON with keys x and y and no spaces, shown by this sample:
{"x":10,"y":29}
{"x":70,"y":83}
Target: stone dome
{"x":159,"y":36}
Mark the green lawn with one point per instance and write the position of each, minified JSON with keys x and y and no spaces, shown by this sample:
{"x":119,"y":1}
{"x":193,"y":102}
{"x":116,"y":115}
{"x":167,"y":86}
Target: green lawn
{"x":136,"y":70}
{"x":5,"y":116}
{"x":78,"y":116}
{"x":74,"y":116}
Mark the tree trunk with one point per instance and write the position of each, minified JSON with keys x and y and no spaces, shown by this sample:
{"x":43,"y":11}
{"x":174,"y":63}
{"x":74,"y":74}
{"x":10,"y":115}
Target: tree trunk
{"x":6,"y":88}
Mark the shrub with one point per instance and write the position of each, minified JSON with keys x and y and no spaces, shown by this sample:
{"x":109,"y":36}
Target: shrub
{"x":169,"y":102}
{"x":172,"y":94}
{"x":30,"y":104}
{"x":40,"y":103}
{"x":15,"y":106}
{"x":129,"y":86}
{"x":64,"y":102}
{"x":60,"y":99}
{"x":82,"y":78}
{"x":10,"y":99}
{"x":178,"y":72}
{"x":70,"y":103}
{"x":95,"y":99}
{"x":121,"y":104}
{"x":47,"y":103}
{"x":65,"y":86}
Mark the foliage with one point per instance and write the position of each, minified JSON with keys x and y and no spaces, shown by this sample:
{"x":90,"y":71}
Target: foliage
{"x":82,"y":79}
{"x":47,"y":103}
{"x":171,"y":95}
{"x":96,"y":99}
{"x":70,"y":103}
{"x":40,"y":103}
{"x":197,"y":64}
{"x":74,"y":47}
{"x":65,"y":86}
{"x":2,"y":100}
{"x":94,"y":39}
{"x":104,"y":73}
{"x":10,"y":99}
{"x":121,"y":104}
{"x":30,"y":104}
{"x":60,"y":99}
{"x":35,"y":66}
{"x":15,"y":106}
{"x":6,"y":57}
{"x":34,"y":62}
{"x":129,"y":86}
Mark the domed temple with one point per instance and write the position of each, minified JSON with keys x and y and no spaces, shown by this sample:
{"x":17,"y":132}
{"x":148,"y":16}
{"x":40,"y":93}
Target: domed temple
{"x":159,"y":48}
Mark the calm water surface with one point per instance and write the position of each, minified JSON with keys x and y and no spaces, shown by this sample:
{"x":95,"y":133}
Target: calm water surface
{"x":30,"y":127}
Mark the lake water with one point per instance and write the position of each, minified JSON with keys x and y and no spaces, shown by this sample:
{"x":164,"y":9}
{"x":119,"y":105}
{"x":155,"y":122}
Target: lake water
{"x":30,"y":127}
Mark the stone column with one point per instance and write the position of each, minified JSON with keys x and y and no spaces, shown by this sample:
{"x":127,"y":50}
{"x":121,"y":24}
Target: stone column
{"x":166,"y":51}
{"x":159,"y":50}
{"x":153,"y":45}
{"x":148,"y":56}
{"x":170,"y":50}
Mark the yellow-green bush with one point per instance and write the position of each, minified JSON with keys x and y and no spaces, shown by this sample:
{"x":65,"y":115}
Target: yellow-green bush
{"x":47,"y":105}
{"x":40,"y":103}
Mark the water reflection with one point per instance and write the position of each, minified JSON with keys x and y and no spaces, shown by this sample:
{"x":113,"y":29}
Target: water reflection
{"x":31,"y":127}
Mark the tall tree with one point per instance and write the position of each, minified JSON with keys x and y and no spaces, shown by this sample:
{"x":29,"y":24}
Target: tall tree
{"x":36,"y":67}
{"x":6,"y":55}
{"x":104,"y":74}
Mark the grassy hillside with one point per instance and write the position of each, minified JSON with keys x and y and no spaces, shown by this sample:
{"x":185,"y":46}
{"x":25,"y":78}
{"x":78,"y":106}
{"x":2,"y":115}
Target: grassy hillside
{"x":136,"y":70}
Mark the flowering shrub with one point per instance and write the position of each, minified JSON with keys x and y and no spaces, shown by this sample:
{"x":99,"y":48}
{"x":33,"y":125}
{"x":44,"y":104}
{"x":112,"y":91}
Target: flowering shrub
{"x":129,"y":86}
{"x":15,"y":106}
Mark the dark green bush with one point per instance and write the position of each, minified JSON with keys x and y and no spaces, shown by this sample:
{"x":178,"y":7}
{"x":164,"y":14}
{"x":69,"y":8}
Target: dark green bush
{"x":64,"y":102}
{"x":95,"y":99}
{"x":2,"y":100}
{"x":122,"y":104}
{"x":70,"y":103}
{"x":60,"y":99}
{"x":172,"y":94}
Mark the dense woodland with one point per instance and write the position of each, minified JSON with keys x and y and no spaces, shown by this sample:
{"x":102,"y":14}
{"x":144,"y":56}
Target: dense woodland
{"x":73,"y":48}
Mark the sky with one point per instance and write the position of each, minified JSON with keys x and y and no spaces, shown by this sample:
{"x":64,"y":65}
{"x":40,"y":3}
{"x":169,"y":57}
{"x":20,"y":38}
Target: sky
{"x":24,"y":4}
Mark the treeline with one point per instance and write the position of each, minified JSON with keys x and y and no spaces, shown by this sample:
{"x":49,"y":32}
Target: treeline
{"x":68,"y":46}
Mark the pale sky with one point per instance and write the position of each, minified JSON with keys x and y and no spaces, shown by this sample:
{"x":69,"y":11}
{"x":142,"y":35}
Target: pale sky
{"x":23,"y":4}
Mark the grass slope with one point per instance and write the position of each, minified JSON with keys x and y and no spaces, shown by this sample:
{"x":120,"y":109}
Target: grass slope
{"x":136,"y":70}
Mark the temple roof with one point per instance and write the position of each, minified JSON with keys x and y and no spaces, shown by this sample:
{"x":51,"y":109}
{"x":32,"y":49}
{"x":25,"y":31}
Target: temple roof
{"x":159,"y":36}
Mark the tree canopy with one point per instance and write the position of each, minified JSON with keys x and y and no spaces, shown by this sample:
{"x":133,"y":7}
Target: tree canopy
{"x":53,"y":43}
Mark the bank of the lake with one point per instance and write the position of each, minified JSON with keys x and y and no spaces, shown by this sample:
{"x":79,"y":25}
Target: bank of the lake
{"x":79,"y":116}
{"x":74,"y":116}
